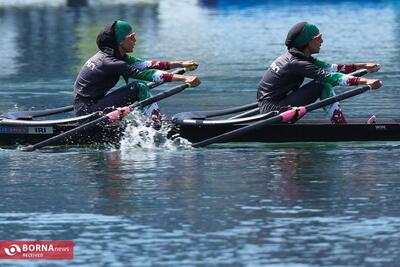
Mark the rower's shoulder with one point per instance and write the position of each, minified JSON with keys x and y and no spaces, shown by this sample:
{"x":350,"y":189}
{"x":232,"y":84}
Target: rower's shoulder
{"x":297,"y":62}
{"x":98,"y":57}
{"x":286,"y":60}
{"x":109,"y":59}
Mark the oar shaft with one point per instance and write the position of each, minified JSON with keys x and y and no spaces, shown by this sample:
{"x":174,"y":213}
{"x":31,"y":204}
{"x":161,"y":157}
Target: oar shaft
{"x":337,"y":98}
{"x":160,"y":96}
{"x":359,"y":73}
{"x":238,"y":132}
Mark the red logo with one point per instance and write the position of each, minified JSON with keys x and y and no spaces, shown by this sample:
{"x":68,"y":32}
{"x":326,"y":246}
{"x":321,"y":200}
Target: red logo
{"x":36,"y":250}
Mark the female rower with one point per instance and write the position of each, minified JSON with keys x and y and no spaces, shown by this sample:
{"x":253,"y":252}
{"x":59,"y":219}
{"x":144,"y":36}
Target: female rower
{"x":281,"y":87}
{"x":103,"y":70}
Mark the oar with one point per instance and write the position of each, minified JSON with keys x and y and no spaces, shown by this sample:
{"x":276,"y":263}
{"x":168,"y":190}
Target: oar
{"x":115,"y":115}
{"x":29,"y":115}
{"x":286,"y":116}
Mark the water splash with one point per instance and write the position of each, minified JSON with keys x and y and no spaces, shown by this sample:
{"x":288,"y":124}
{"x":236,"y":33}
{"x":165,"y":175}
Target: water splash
{"x":139,"y":135}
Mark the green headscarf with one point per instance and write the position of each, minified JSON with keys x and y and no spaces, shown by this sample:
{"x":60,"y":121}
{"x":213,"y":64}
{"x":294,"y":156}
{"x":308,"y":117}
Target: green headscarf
{"x":305,"y":36}
{"x":121,"y":30}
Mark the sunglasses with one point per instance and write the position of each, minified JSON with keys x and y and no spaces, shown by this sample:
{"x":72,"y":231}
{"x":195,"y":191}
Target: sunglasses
{"x":131,"y":37}
{"x":318,"y":37}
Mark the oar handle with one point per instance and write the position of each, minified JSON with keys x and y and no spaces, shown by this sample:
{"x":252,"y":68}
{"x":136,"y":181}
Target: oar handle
{"x":151,"y":85}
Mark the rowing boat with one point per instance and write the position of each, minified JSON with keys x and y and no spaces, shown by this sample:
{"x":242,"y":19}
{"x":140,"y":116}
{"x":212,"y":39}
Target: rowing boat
{"x":238,"y":124}
{"x":197,"y":126}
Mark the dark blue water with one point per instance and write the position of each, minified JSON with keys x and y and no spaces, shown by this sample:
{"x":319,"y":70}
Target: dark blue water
{"x":301,"y":204}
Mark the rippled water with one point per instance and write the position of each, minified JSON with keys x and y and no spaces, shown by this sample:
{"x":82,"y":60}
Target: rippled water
{"x":299,"y":204}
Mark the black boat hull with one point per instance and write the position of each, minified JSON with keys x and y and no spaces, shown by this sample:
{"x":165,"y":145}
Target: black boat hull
{"x":26,"y":134}
{"x":302,"y":131}
{"x":14,"y":133}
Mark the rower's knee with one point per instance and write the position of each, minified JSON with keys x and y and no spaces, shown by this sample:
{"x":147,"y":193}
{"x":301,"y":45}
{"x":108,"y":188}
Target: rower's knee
{"x":326,"y":90}
{"x":144,"y":90}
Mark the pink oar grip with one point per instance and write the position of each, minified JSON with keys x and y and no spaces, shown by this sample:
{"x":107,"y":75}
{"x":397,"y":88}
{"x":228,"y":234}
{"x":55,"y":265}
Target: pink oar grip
{"x":116,"y":114}
{"x":292,"y":113}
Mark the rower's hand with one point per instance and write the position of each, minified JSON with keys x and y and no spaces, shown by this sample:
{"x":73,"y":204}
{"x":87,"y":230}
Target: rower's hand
{"x":371,"y":67}
{"x":375,"y":84}
{"x":189,"y":65}
{"x":193,"y":81}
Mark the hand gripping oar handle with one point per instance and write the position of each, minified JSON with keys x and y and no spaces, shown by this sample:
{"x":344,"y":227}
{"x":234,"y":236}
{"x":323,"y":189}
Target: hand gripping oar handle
{"x":115,"y":115}
{"x":151,"y":85}
{"x":286,"y":116}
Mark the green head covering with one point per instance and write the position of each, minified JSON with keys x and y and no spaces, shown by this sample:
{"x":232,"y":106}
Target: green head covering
{"x":309,"y":31}
{"x":121,"y":30}
{"x":301,"y":34}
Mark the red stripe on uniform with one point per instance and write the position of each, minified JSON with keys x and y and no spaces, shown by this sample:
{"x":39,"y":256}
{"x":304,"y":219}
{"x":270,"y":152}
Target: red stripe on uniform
{"x":346,"y":68}
{"x":159,"y":65}
{"x":354,"y":80}
{"x":167,"y":77}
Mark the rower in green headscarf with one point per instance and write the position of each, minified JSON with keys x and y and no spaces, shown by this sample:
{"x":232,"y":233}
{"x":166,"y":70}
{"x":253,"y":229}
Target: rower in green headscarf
{"x":102,"y":72}
{"x":281,"y":85}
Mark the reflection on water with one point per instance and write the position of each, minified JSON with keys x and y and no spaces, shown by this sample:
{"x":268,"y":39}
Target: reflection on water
{"x":260,"y":204}
{"x":287,"y":205}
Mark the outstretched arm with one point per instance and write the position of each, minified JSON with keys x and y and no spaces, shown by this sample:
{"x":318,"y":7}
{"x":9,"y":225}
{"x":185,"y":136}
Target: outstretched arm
{"x":188,"y":64}
{"x":346,"y":68}
{"x":372,"y":67}
{"x":160,"y":65}
{"x":160,"y":76}
{"x":315,"y":72}
{"x":153,"y":75}
{"x":349,"y":68}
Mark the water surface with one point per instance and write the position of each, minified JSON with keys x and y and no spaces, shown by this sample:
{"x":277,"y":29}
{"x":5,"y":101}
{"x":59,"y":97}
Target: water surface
{"x":315,"y":204}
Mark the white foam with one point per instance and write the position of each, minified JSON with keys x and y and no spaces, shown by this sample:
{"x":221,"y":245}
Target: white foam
{"x":138,"y":135}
